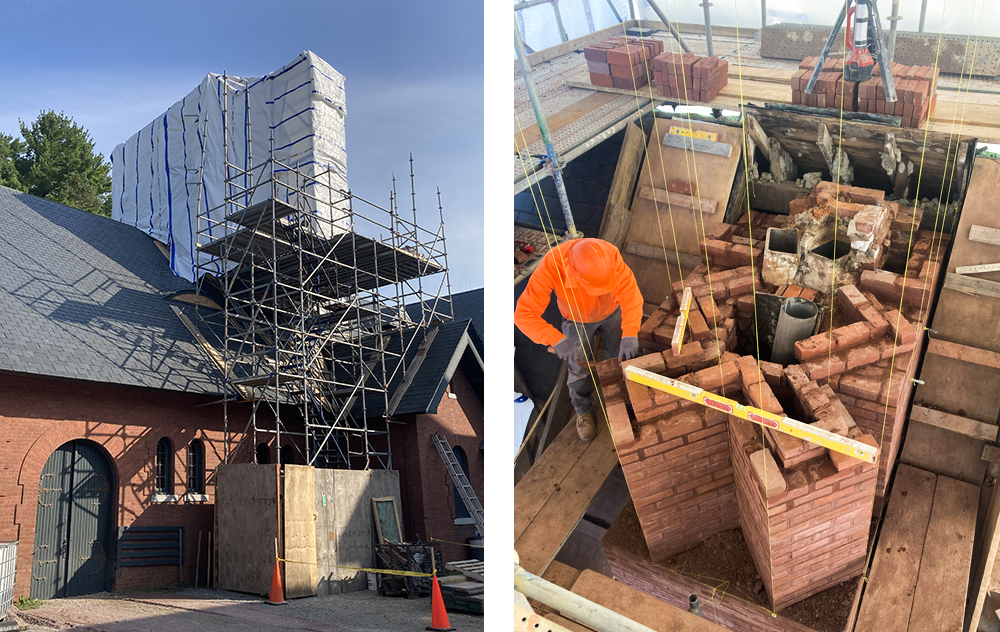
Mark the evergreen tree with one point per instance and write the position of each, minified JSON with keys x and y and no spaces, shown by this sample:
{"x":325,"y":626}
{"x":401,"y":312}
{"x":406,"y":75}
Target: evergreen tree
{"x":55,"y":160}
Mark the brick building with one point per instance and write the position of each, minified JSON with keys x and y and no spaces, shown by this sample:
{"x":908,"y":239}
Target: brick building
{"x":108,"y":404}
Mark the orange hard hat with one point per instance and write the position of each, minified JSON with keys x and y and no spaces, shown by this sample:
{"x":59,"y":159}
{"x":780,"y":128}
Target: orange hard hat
{"x":592,"y":266}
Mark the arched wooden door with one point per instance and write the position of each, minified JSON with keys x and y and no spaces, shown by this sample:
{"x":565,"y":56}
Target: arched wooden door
{"x":74,"y":523}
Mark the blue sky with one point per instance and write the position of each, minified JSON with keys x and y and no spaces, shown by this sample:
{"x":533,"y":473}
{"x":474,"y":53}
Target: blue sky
{"x":414,"y":80}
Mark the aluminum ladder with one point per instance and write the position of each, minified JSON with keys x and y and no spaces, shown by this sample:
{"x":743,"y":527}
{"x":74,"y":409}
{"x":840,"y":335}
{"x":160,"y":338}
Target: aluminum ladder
{"x":460,"y":479}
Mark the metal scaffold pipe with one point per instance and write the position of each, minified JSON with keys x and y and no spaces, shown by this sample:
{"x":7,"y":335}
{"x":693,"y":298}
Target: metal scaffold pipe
{"x":543,"y":129}
{"x":708,"y":26}
{"x":573,"y":606}
{"x":673,"y":30}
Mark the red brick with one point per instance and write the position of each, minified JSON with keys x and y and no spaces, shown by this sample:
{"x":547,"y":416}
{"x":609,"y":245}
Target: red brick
{"x":639,"y":396}
{"x":620,"y":424}
{"x":844,"y":461}
{"x":862,"y":355}
{"x":822,"y":368}
{"x":860,"y":386}
{"x":652,"y":362}
{"x":851,"y":335}
{"x":902,"y":330}
{"x":813,"y":347}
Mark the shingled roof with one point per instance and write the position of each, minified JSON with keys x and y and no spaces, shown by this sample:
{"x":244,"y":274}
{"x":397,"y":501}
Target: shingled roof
{"x":85,"y":297}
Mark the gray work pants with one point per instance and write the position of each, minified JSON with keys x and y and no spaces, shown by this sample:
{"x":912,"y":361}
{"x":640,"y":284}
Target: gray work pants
{"x":579,"y":379}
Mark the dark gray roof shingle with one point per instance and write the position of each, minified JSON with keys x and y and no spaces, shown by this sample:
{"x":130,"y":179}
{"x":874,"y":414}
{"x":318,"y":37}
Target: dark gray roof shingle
{"x":83,"y":297}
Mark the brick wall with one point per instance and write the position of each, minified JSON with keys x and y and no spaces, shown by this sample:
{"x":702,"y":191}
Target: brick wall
{"x":37,"y":415}
{"x":806,"y":526}
{"x":428,"y":503}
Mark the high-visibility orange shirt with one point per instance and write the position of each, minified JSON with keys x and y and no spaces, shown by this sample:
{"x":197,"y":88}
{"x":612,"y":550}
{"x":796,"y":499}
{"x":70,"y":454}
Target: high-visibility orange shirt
{"x":553,"y":274}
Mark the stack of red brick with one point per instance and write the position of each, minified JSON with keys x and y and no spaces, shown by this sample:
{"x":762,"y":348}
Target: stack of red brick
{"x":915,"y":90}
{"x":916,"y":93}
{"x":830,"y":91}
{"x":690,"y":77}
{"x":622,"y":62}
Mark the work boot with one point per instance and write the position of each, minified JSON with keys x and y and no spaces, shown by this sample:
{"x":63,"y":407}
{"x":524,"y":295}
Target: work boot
{"x":585,"y":426}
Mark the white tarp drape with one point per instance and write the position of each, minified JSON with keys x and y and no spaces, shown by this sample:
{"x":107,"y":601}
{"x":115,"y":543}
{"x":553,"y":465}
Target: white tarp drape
{"x":158,"y":173}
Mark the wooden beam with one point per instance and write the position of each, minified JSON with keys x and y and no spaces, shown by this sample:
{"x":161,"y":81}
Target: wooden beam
{"x":687,"y":202}
{"x":756,"y":132}
{"x":662,"y":254}
{"x":206,"y":348}
{"x":986,"y":267}
{"x":961,"y":425}
{"x":617,"y":210}
{"x":972,"y":287}
{"x":554,"y":408}
{"x":990,"y":538}
{"x":964,"y":353}
{"x":985,"y":235}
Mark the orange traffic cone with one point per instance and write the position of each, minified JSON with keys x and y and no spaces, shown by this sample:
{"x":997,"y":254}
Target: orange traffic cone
{"x":277,"y":597}
{"x":439,"y":616}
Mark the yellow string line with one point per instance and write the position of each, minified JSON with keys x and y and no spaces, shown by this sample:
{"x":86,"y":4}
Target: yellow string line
{"x":576,"y":317}
{"x":895,"y":343}
{"x":756,"y":324}
{"x":700,"y":212}
{"x":945,"y":198}
{"x":382,"y":571}
{"x":649,"y":170}
{"x":697,"y":195}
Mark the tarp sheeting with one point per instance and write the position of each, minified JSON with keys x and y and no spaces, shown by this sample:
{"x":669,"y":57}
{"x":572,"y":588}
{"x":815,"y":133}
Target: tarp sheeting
{"x":158,"y":173}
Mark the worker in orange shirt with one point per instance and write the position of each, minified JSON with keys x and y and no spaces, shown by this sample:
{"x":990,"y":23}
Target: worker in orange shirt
{"x":595,"y":291}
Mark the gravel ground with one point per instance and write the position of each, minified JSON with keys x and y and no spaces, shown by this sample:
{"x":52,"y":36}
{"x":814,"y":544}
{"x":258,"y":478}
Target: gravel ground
{"x":221,"y":611}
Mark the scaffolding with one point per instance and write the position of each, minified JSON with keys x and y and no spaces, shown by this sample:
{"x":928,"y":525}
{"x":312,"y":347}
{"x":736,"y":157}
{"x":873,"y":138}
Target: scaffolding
{"x":315,"y":321}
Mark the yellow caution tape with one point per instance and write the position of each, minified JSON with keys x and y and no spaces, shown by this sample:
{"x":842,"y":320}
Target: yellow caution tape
{"x":383,"y":571}
{"x":787,"y":425}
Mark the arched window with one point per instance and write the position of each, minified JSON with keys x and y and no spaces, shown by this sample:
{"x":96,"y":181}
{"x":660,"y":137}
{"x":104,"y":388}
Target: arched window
{"x":164,"y":467}
{"x":287,"y":454}
{"x":196,"y":467}
{"x":461,"y":513}
{"x":263,"y":454}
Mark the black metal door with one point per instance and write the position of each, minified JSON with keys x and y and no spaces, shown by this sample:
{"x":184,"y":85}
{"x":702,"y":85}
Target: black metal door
{"x":73,"y":527}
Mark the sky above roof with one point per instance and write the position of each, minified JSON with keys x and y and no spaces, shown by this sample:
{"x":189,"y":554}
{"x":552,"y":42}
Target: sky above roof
{"x":414,"y":80}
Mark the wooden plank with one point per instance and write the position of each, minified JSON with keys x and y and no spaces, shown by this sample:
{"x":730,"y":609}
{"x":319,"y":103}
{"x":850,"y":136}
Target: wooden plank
{"x":888,"y":599}
{"x":686,"y":143}
{"x":972,"y":287}
{"x":564,"y":48}
{"x":943,"y":452}
{"x":539,"y":543}
{"x":990,"y":539}
{"x":955,"y":423}
{"x":617,"y":213}
{"x":964,"y":353}
{"x":300,"y":531}
{"x":984,"y":235}
{"x":537,"y":486}
{"x":939,"y":597}
{"x":531,"y":134}
{"x":980,"y":269}
{"x":247,"y":508}
{"x":561,"y":575}
{"x":638,"y":606}
{"x":664,"y":198}
{"x":557,"y":410}
{"x":675,"y":228}
{"x":958,"y":387}
{"x":213,"y":356}
{"x":662,"y":254}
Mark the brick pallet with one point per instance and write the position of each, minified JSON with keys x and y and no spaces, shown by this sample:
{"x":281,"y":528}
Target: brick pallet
{"x":621,"y":62}
{"x":916,"y":91}
{"x":690,"y":77}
